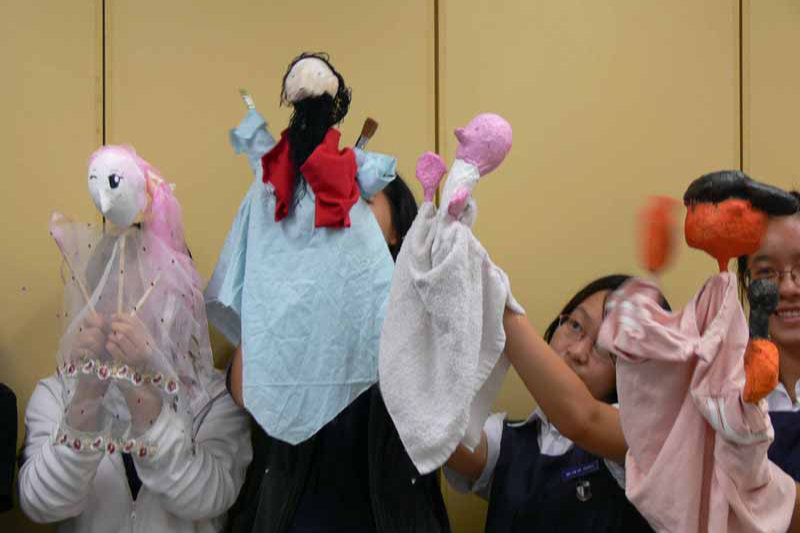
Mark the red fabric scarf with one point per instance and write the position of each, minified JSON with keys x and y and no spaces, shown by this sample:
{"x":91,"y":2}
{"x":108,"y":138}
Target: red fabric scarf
{"x":330,"y":172}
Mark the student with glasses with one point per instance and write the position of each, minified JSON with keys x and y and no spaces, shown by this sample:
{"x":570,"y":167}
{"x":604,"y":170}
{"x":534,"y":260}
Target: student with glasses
{"x":778,"y":260}
{"x":540,"y":475}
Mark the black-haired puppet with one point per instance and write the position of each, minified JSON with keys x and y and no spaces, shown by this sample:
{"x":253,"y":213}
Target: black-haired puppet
{"x":303,"y":279}
{"x":441,"y":361}
{"x":691,"y":383}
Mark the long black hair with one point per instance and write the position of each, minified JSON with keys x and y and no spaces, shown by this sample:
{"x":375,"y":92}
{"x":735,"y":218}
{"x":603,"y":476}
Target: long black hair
{"x":313,"y":116}
{"x":743,"y":272}
{"x":404,"y":210}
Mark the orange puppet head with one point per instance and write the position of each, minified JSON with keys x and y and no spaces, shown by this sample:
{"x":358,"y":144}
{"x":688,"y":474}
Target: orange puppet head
{"x":727,"y":213}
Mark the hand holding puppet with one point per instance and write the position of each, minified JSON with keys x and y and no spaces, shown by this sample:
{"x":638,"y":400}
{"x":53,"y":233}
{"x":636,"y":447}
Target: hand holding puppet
{"x":691,"y":383}
{"x":441,"y":361}
{"x":135,"y":340}
{"x":303,"y":278}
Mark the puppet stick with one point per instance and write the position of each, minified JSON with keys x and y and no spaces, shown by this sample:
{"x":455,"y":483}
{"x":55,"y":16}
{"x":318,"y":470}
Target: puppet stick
{"x":247,"y":99}
{"x":367,"y":131}
{"x":146,"y":294}
{"x":78,"y":281}
{"x":121,"y":278}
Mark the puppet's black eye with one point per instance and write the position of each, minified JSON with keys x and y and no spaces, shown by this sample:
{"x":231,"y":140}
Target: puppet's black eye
{"x":92,"y":177}
{"x":113,"y":180}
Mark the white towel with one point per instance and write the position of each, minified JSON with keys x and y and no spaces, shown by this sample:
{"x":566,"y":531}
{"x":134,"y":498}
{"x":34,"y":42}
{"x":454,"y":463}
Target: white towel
{"x":441,"y":361}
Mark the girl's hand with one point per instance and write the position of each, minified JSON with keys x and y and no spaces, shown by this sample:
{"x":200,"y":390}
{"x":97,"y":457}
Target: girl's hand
{"x":129,"y":342}
{"x":91,"y":338}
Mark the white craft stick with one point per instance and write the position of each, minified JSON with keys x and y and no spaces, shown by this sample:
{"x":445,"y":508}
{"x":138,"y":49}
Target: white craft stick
{"x":146,"y":294}
{"x":77,"y":279}
{"x":121,"y":278}
{"x":248,"y":100}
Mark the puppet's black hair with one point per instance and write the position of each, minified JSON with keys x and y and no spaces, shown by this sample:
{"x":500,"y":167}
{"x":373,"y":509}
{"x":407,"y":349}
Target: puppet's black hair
{"x":313,"y":116}
{"x":717,"y":187}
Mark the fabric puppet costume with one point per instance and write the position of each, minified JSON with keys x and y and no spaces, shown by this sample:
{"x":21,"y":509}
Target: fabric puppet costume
{"x":135,"y":431}
{"x":303,"y":278}
{"x":691,"y":383}
{"x":441,"y":361}
{"x":142,"y":270}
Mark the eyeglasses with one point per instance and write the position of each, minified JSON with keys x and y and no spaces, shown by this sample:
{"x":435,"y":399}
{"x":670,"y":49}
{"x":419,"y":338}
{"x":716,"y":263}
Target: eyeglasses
{"x":573,"y":332}
{"x":775,"y":276}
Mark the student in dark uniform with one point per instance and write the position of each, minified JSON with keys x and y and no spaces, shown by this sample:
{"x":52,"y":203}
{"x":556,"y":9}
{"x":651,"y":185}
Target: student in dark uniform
{"x":534,"y":476}
{"x":778,"y":260}
{"x":353,"y":475}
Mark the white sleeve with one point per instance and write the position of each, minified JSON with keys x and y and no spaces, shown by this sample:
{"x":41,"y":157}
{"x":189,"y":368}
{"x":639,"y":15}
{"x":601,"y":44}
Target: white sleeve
{"x":493,"y":427}
{"x":617,"y":472}
{"x":55,"y":480}
{"x":198,"y":478}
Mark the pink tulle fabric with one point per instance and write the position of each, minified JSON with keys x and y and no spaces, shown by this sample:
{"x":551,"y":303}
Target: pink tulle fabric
{"x":144,"y":273}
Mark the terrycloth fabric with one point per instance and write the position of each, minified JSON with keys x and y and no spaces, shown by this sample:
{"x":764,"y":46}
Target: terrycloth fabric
{"x":441,"y":361}
{"x":306,"y":303}
{"x":697,"y":458}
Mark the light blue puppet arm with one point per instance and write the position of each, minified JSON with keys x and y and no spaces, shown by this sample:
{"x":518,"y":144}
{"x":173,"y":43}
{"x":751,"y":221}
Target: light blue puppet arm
{"x":253,"y":138}
{"x":375,"y":171}
{"x":223,"y":294}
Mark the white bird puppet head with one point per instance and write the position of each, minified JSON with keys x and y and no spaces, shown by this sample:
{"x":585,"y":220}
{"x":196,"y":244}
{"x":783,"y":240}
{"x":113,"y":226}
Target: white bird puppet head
{"x":124,"y":186}
{"x":118,"y":183}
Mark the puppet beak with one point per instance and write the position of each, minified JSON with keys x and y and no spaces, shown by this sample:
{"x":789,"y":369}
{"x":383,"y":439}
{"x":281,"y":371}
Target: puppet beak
{"x":105,"y":204}
{"x":460,"y":135}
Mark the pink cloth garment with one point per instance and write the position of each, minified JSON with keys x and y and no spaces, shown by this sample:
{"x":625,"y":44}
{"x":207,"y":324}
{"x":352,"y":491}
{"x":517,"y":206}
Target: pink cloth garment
{"x":697,"y":457}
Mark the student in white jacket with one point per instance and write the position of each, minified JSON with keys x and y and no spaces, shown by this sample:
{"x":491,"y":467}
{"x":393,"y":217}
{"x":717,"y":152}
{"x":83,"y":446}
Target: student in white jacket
{"x":135,"y":431}
{"x":187,"y":485}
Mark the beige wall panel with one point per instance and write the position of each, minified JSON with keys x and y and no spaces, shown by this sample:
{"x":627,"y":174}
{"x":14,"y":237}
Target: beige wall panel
{"x":772,"y":91}
{"x":176,"y":67}
{"x":50,"y":104}
{"x":610,"y":102}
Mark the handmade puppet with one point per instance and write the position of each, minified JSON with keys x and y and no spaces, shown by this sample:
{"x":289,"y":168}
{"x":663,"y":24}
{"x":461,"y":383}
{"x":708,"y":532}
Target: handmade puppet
{"x":441,"y":361}
{"x":303,"y":278}
{"x":130,"y":284}
{"x":691,"y":383}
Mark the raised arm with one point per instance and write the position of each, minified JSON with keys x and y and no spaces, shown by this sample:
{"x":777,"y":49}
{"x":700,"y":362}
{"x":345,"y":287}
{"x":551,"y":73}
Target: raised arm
{"x":235,"y":377}
{"x":590,"y":423}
